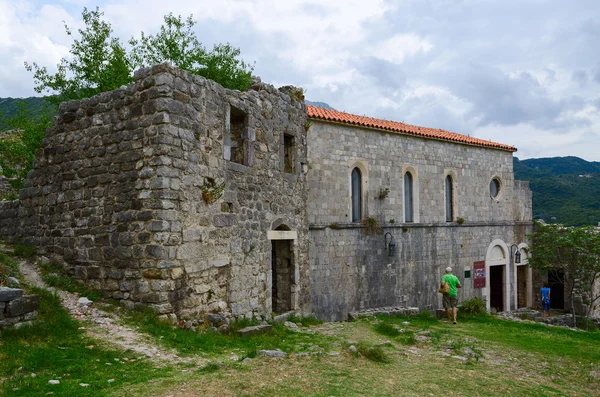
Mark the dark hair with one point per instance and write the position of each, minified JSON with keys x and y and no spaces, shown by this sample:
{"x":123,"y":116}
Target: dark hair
{"x":546,"y":284}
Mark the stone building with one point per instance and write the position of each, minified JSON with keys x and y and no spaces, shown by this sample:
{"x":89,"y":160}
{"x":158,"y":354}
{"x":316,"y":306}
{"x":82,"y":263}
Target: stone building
{"x":445,"y":199}
{"x":178,"y":194}
{"x":175,"y":193}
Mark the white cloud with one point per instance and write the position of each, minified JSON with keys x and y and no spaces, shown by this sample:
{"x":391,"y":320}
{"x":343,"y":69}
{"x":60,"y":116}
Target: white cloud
{"x":399,"y":47}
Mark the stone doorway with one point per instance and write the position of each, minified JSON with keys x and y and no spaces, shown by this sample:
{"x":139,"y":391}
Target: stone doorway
{"x":282,"y":272}
{"x":557,"y":289}
{"x":497,"y":288}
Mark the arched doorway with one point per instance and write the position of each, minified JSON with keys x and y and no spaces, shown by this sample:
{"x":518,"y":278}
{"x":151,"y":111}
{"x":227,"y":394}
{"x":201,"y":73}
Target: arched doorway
{"x":497,"y":282}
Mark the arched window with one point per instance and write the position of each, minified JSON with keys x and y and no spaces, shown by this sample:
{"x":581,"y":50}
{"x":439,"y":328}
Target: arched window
{"x":408,"y":197}
{"x":356,"y":195}
{"x":449,"y":199}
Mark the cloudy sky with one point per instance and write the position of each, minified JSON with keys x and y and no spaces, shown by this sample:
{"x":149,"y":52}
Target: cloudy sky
{"x":520,"y":72}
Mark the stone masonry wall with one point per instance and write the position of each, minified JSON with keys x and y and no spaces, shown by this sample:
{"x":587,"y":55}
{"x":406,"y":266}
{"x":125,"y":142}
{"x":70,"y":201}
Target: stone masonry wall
{"x":335,"y":149}
{"x":9,"y":219}
{"x":116,"y":193}
{"x":352,"y":271}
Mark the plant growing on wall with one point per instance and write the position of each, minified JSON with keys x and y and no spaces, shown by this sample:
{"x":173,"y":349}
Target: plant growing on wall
{"x":211,"y":191}
{"x":371,"y":226}
{"x":383,"y":193}
{"x":297,"y":94}
{"x":460,"y":220}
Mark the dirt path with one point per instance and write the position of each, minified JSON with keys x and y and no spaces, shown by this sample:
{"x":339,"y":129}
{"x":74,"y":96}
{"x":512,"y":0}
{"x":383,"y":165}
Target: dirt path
{"x":107,"y":327}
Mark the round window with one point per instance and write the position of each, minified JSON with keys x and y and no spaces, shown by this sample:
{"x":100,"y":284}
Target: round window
{"x":495,"y":188}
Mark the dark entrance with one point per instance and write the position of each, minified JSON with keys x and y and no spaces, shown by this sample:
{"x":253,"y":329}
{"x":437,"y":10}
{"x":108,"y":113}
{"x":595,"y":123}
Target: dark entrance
{"x":496,"y":293}
{"x":521,"y":286}
{"x":281,"y":268}
{"x":557,"y":289}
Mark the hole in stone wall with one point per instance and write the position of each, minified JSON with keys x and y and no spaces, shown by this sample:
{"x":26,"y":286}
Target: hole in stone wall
{"x":238,"y":121}
{"x":226,"y":207}
{"x":288,"y":153}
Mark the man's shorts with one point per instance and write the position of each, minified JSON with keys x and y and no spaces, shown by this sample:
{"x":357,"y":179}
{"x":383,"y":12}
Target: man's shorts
{"x":450,"y":301}
{"x":546,"y":306}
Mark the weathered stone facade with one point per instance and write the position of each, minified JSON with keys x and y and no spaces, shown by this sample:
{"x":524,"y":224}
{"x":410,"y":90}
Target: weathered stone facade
{"x":351,"y":270}
{"x":178,"y":194}
{"x":134,"y":191}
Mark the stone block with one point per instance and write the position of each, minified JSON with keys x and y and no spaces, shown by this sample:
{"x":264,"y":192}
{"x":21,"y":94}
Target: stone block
{"x":22,"y":305}
{"x":254,"y":330}
{"x":9,"y":294}
{"x":224,"y":220}
{"x":155,"y":274}
{"x":192,"y":234}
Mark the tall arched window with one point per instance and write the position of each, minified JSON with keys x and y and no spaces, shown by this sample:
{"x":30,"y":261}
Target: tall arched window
{"x":356,"y":195}
{"x":408,"y":197}
{"x":449,"y":199}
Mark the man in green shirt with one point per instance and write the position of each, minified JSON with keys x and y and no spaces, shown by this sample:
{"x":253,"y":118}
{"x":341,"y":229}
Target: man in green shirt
{"x":450,"y":299}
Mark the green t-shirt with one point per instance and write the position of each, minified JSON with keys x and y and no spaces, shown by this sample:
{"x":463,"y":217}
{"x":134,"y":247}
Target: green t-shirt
{"x":453,"y":281}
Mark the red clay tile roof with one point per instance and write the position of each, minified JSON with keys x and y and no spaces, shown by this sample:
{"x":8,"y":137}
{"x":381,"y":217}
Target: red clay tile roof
{"x":370,"y":122}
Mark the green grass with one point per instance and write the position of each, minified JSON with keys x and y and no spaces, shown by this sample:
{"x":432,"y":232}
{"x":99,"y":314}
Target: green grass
{"x":538,"y":338}
{"x":54,"y":277}
{"x":387,"y":329}
{"x":55,"y":348}
{"x":8,"y":268}
{"x":373,"y":353}
{"x":24,"y":251}
{"x":503,"y":357}
{"x":189,"y":342}
{"x":305,"y":321}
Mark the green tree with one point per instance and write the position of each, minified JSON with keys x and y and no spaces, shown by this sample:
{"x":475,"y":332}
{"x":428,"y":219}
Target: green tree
{"x":177,"y":43}
{"x":98,"y":63}
{"x":18,"y":146}
{"x":573,"y":252}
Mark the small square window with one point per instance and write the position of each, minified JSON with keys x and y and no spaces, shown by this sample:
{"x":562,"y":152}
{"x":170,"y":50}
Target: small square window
{"x":467,"y":274}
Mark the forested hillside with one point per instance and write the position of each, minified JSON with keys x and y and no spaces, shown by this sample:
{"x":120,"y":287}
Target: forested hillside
{"x":9,"y":108}
{"x":565,"y":190}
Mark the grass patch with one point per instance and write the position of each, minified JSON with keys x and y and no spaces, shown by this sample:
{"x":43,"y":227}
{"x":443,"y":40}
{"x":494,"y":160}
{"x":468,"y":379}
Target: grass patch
{"x":190,"y":342}
{"x":209,"y":368}
{"x":8,"y":268}
{"x":373,"y":353}
{"x":387,"y":329}
{"x":305,"y":321}
{"x":24,"y":251}
{"x":553,"y":342}
{"x":54,"y":277}
{"x":55,"y":348}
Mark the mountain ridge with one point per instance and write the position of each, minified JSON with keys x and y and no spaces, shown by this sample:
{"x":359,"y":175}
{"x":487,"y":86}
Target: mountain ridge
{"x":566,"y":190}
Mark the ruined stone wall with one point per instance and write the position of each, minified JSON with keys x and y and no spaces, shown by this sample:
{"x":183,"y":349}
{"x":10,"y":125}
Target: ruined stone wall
{"x":351,"y":270}
{"x":116,"y":192}
{"x":9,"y":219}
